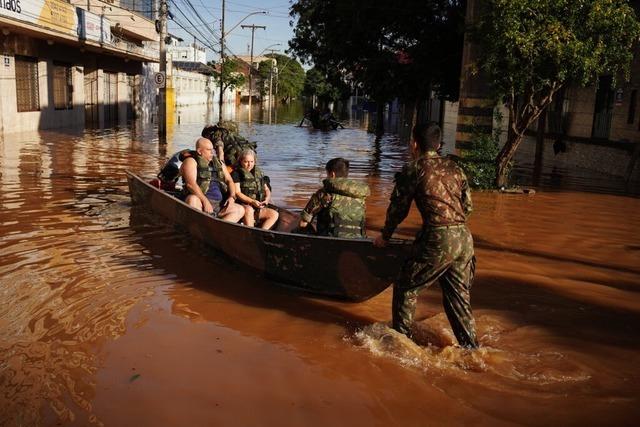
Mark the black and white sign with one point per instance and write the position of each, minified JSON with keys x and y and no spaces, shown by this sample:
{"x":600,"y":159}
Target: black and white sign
{"x":7,"y":61}
{"x":160,"y":79}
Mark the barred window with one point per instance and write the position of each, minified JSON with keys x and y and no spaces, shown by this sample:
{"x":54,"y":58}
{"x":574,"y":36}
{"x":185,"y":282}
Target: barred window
{"x":62,"y":87}
{"x":27,"y":92}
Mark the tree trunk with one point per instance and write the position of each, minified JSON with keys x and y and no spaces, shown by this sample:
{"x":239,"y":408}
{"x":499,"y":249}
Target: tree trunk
{"x":504,"y":158}
{"x":519,"y":121}
{"x":537,"y":163}
{"x":379,"y":118}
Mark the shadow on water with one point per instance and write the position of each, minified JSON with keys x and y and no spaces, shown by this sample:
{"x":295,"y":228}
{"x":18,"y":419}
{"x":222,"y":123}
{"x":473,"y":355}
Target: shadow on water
{"x":528,"y":303}
{"x":484,"y":244}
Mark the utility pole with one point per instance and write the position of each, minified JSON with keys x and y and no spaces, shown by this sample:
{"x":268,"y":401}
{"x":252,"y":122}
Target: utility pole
{"x":162,"y":101}
{"x":253,"y":31}
{"x":271,"y":75}
{"x":221,"y":64}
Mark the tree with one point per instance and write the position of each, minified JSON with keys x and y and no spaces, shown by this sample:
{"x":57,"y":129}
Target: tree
{"x":529,"y":50}
{"x":265,"y":70}
{"x":317,"y":84}
{"x":406,"y":49}
{"x":289,"y":78}
{"x":232,"y":77}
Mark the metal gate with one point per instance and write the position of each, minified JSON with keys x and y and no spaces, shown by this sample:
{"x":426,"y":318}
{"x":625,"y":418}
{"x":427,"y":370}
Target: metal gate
{"x":110,"y":99}
{"x":91,"y":98}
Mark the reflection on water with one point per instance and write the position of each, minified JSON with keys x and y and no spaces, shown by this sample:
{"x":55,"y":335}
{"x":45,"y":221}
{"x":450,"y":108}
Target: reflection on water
{"x":109,"y":316}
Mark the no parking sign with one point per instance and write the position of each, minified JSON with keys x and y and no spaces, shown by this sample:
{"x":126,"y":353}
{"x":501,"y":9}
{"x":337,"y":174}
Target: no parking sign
{"x":160,"y":79}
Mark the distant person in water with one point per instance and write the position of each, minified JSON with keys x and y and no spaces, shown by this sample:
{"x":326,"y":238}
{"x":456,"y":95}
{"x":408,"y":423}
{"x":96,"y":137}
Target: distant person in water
{"x":339,"y":205}
{"x":252,"y":190}
{"x":443,"y":249}
{"x":208,"y":185}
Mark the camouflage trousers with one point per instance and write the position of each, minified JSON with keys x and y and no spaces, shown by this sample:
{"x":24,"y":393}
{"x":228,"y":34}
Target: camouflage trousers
{"x":443,"y":254}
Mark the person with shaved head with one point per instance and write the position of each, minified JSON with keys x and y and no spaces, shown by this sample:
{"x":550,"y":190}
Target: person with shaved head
{"x":207,"y":182}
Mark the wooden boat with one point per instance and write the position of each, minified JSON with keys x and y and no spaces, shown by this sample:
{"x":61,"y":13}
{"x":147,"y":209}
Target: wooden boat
{"x":348,"y":269}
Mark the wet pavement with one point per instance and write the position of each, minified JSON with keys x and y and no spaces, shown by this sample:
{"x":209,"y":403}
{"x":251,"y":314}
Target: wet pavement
{"x":110,"y":316}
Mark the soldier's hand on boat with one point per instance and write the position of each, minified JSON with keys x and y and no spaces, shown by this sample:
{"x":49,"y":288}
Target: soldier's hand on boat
{"x":380,"y":242}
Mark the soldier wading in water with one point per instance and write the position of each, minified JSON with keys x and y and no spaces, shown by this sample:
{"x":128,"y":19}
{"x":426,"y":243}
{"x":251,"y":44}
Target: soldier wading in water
{"x":443,"y":249}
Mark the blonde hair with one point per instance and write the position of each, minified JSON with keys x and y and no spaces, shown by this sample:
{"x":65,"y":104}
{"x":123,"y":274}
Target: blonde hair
{"x":247,"y":152}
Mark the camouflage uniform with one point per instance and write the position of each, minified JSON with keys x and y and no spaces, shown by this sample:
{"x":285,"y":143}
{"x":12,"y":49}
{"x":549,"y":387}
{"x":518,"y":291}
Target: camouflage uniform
{"x":443,"y":249}
{"x":234,"y":144}
{"x":340,"y":208}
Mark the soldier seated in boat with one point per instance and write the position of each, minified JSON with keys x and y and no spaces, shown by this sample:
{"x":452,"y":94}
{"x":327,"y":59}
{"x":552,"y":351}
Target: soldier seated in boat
{"x":207,"y":182}
{"x":339,"y":206}
{"x":253,"y":191}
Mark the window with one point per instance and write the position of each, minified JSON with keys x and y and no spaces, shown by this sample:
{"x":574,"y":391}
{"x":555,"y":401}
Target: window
{"x":27,"y":92}
{"x":62,"y":87}
{"x":142,"y":7}
{"x":632,"y":107}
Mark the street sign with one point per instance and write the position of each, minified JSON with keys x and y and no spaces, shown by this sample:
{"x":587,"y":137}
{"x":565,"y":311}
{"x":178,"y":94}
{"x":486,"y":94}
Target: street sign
{"x":160,"y":79}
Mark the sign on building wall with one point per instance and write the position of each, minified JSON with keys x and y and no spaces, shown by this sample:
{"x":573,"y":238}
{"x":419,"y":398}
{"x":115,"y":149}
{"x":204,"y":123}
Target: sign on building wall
{"x":93,"y":27}
{"x":52,"y":14}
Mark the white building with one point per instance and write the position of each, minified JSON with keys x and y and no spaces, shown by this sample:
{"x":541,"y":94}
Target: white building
{"x":177,"y":51}
{"x":190,"y":78}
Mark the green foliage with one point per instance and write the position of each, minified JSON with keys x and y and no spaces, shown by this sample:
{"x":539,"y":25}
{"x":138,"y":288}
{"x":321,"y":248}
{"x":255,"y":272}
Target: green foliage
{"x":265,"y":71}
{"x":530,"y":46}
{"x":529,"y":50}
{"x":478,"y":162}
{"x":403,"y":49}
{"x":290,"y":77}
{"x":232,"y":77}
{"x":316,"y":83}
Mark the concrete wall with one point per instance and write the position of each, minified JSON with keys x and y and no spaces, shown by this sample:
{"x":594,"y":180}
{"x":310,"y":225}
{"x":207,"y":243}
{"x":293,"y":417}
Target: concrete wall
{"x":47,"y":117}
{"x":80,"y":62}
{"x":192,"y":88}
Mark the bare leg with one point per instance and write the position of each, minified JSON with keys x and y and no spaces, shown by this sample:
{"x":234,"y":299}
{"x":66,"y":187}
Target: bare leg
{"x":249,"y":219}
{"x":193,"y":201}
{"x":232,"y":213}
{"x":268,"y":217}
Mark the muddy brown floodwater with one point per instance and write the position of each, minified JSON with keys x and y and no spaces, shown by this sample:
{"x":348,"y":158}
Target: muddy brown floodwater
{"x":109,"y":316}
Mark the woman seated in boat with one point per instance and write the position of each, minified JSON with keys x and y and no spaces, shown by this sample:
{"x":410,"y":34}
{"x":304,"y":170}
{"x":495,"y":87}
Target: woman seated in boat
{"x":253,"y":191}
{"x":339,"y":205}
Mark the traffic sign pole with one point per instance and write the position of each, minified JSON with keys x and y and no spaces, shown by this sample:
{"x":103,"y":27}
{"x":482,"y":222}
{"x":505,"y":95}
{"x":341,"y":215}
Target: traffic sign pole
{"x":162,"y":101}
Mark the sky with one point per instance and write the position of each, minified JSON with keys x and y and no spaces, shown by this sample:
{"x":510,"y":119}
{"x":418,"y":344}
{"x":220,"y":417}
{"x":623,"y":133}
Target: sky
{"x":238,"y":40}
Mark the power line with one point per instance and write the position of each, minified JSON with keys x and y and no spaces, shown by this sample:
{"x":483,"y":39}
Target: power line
{"x":199,"y":17}
{"x":204,"y":43}
{"x":202,"y":37}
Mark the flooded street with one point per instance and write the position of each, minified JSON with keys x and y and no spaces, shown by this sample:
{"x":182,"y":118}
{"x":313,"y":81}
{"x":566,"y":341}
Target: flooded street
{"x":109,"y":316}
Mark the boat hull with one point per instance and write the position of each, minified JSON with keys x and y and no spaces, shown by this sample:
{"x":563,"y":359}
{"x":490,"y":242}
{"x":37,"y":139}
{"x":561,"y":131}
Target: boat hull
{"x":349,"y":269}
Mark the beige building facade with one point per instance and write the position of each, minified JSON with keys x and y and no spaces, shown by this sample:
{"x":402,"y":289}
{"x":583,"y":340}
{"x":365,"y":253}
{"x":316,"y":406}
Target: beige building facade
{"x":75,"y":64}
